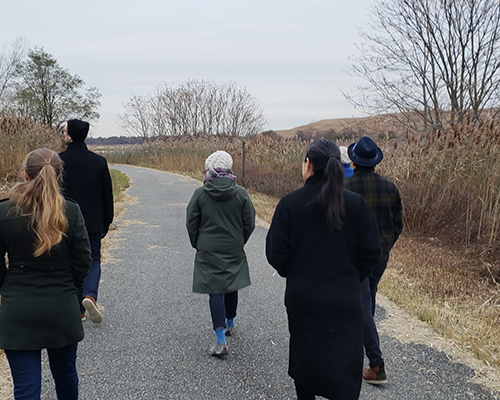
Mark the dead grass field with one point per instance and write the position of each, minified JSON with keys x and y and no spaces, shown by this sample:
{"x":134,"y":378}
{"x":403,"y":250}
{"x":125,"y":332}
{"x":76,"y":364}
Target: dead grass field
{"x":436,"y":285}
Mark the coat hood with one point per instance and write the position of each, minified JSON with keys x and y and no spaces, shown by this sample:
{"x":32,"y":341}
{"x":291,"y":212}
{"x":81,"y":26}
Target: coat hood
{"x":220,"y":189}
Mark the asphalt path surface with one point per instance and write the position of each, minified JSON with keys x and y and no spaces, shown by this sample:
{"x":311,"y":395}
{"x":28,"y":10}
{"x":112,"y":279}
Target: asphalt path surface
{"x":153,"y":341}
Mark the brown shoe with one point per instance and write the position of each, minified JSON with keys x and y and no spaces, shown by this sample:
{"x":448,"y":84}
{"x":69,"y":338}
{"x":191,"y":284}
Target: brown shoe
{"x":90,"y":305}
{"x":375,"y":375}
{"x":83,"y":316}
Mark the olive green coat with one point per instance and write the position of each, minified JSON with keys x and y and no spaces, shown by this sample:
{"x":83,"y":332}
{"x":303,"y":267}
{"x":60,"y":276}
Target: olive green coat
{"x":39,"y":305}
{"x":220,"y":219}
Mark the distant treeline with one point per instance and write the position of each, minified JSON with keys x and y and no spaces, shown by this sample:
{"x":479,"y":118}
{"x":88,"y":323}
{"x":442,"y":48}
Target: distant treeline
{"x":114,"y":140}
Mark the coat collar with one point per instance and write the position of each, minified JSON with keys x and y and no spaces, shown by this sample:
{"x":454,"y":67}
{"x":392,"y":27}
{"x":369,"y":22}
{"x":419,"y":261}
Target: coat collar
{"x":364,"y":170}
{"x":313,"y":179}
{"x":77,"y":145}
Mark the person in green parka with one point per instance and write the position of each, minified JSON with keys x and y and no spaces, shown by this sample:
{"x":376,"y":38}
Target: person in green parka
{"x":43,"y":235}
{"x":220,"y":218}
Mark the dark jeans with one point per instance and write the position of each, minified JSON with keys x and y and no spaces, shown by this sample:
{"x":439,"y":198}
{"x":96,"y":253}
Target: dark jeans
{"x":374,"y":279}
{"x":26,"y":369}
{"x":302,"y":394}
{"x":371,"y":341}
{"x":91,"y":285}
{"x":223,"y":306}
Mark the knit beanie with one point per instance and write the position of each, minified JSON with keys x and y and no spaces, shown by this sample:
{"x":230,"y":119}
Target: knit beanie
{"x":219,"y":159}
{"x":344,"y":157}
{"x":78,"y":129}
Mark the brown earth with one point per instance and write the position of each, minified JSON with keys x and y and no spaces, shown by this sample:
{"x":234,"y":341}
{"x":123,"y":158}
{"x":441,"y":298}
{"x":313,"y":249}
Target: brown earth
{"x":367,"y":126}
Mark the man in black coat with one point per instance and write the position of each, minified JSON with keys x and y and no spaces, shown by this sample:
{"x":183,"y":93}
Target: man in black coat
{"x":384,"y":200}
{"x":86,"y":180}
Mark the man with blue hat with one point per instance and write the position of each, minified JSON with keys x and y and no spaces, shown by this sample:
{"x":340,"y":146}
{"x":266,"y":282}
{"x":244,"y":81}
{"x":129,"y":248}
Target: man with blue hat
{"x":383,"y":198}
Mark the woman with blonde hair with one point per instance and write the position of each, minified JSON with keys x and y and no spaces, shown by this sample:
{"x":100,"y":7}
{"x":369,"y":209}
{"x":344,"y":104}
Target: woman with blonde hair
{"x":43,"y":237}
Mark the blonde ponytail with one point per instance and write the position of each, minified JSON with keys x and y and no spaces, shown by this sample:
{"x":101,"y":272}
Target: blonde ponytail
{"x":40,"y":198}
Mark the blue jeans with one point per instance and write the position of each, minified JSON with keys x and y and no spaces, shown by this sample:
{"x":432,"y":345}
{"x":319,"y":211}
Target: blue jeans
{"x":371,"y":341}
{"x":26,"y":369}
{"x":91,"y":285}
{"x":223,"y":306}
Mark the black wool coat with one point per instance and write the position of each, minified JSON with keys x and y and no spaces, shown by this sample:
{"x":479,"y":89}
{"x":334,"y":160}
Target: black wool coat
{"x":323,"y":271}
{"x":86,"y":180}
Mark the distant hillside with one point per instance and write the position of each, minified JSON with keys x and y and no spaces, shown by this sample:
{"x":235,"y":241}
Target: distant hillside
{"x":375,"y":126}
{"x":370,"y":126}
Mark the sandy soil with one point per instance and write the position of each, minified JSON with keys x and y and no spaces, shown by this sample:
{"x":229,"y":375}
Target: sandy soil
{"x":409,"y":329}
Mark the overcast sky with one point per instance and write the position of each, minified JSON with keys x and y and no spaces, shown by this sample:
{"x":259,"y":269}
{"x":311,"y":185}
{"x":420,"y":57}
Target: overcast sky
{"x":292,"y":56}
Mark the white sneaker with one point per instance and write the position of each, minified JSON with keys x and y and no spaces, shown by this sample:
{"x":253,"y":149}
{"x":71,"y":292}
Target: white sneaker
{"x":218,"y":350}
{"x":91,"y":306}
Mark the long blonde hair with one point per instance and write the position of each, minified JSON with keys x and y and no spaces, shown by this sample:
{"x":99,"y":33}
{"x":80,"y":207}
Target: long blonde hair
{"x":40,"y":198}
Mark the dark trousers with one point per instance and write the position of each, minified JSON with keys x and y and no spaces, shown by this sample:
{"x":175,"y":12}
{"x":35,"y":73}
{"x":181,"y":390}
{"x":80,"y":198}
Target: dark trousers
{"x":26,"y":369}
{"x":223,"y":306}
{"x":374,"y":279}
{"x":371,"y":339}
{"x":302,"y":394}
{"x":91,"y":285}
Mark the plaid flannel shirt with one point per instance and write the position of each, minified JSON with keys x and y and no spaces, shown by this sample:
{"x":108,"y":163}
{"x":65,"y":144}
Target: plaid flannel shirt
{"x":383,"y":198}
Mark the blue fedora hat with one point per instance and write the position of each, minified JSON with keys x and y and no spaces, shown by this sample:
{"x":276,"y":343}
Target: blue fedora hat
{"x":365,"y":152}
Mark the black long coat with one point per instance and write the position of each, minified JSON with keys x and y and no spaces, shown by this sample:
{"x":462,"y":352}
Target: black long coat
{"x":86,"y":180}
{"x":323,"y":271}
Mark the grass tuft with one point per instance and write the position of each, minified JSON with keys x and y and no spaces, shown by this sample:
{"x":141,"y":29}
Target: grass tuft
{"x":120,"y":182}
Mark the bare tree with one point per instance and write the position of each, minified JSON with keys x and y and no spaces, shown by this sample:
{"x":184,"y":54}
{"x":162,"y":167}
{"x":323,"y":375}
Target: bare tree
{"x":195,"y":107}
{"x":432,"y":62}
{"x":9,"y":60}
{"x":136,"y":120}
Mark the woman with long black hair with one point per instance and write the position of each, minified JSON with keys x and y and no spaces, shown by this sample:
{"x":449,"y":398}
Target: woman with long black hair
{"x":324,"y":241}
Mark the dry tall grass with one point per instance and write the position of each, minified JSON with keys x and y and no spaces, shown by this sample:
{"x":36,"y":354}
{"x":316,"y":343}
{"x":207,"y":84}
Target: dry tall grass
{"x":451,"y":182}
{"x":271,"y":164}
{"x":19,"y":136}
{"x":447,"y":268}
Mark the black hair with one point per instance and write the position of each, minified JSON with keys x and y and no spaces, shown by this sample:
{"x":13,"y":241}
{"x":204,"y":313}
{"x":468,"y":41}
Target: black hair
{"x":324,"y":155}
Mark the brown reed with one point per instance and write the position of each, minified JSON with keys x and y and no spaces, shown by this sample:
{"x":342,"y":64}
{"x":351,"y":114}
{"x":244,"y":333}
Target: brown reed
{"x":19,"y":136}
{"x":272,"y":166}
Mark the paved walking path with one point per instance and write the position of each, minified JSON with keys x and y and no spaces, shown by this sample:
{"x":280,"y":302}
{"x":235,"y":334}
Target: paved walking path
{"x":154,"y":338}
